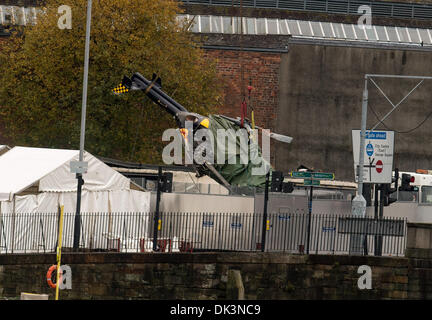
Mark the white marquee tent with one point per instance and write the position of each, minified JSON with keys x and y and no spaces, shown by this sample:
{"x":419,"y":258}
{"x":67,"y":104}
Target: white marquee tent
{"x":36,"y":182}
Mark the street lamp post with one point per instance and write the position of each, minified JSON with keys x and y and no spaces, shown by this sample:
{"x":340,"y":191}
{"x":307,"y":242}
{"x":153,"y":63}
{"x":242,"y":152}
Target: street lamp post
{"x":359,"y":202}
{"x":357,"y":242}
{"x":77,"y":225}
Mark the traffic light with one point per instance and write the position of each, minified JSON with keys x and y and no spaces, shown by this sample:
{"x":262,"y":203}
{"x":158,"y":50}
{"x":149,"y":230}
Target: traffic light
{"x":387,"y":190}
{"x":287,"y":187}
{"x":277,"y":184}
{"x":407,"y":179}
{"x":277,"y":181}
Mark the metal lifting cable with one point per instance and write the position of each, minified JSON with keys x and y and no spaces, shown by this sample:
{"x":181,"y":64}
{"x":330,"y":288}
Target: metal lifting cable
{"x":250,"y":104}
{"x":408,"y":131}
{"x":243,"y":95}
{"x":244,"y":105}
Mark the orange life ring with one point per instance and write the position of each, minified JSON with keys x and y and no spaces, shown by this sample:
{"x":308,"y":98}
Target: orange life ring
{"x":49,"y":273}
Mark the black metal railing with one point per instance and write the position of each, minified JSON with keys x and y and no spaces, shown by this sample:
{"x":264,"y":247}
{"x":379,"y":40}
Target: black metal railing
{"x":192,"y":232}
{"x":379,"y":8}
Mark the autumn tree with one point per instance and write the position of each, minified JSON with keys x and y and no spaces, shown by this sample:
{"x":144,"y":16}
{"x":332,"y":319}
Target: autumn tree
{"x":41,"y":75}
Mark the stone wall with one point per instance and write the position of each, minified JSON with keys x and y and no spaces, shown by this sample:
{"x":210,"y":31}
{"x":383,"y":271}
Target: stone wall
{"x":205,"y":276}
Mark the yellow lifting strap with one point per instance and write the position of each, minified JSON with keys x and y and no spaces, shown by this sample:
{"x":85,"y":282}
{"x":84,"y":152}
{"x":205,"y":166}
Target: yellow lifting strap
{"x":253,"y":120}
{"x":59,"y":246}
{"x":253,"y":126}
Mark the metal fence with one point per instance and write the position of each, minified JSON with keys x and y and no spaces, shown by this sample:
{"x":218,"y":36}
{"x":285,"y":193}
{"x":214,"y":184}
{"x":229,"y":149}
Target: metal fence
{"x":379,"y":8}
{"x":191,"y":232}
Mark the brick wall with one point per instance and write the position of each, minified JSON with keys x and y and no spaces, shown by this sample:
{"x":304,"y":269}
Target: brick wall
{"x":205,"y":276}
{"x":259,"y":69}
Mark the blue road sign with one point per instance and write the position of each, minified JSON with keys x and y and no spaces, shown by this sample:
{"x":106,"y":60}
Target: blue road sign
{"x":369,"y":149}
{"x":376,"y":135}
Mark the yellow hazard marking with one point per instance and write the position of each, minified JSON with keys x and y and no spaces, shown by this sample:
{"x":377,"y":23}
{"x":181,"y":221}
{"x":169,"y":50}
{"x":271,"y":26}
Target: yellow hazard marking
{"x":159,"y":224}
{"x":268,"y":225}
{"x":33,"y":294}
{"x":120,"y":89}
{"x":205,"y":123}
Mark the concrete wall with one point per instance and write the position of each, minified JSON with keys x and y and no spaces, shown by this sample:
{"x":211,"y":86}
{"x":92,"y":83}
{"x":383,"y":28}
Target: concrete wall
{"x":182,"y":202}
{"x":320,"y":91}
{"x":278,"y":203}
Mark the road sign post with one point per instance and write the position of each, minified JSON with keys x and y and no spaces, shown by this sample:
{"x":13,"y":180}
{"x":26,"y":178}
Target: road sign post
{"x":311,"y":179}
{"x":312,"y":175}
{"x":156,"y":217}
{"x":309,"y":220}
{"x":311,"y":182}
{"x":301,"y":174}
{"x":264,"y":220}
{"x":377,"y":156}
{"x":322,"y":176}
{"x":78,"y":167}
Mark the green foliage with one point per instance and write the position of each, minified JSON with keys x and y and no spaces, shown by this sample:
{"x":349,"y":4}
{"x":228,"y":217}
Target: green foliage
{"x":41,"y":75}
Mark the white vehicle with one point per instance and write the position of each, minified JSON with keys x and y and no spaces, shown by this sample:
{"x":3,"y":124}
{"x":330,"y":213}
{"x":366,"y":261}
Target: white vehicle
{"x":416,"y":204}
{"x":421,"y":181}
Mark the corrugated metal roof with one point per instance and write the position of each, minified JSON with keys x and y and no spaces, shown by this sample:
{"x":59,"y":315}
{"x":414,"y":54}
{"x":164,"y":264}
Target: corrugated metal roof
{"x":310,"y":29}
